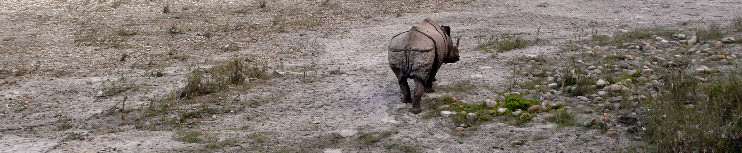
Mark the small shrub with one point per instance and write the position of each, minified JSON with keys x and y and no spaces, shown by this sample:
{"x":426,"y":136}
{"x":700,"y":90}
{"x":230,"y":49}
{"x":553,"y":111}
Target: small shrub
{"x":259,"y":137}
{"x":737,"y":24}
{"x":601,"y":39}
{"x":504,"y":45}
{"x":189,"y":136}
{"x":712,"y":32}
{"x":562,"y":118}
{"x":115,"y":87}
{"x":524,"y":117}
{"x":696,"y":116}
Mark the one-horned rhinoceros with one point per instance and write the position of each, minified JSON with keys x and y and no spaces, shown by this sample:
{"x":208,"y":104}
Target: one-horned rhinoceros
{"x":418,"y":54}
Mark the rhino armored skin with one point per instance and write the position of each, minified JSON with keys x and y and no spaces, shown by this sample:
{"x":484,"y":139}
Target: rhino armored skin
{"x":418,"y":54}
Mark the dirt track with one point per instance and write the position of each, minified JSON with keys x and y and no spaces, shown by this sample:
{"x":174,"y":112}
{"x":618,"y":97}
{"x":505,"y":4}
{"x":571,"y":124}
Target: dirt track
{"x":336,"y":84}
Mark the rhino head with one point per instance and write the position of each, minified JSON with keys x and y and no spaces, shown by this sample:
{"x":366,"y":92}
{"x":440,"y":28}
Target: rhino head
{"x":452,"y":56}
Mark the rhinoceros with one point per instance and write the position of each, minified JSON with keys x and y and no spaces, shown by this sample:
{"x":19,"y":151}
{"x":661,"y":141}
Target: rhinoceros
{"x":417,"y":54}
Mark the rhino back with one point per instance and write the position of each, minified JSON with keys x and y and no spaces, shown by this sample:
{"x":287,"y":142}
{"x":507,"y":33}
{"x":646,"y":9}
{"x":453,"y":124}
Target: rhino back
{"x":433,"y":29}
{"x":407,"y":53}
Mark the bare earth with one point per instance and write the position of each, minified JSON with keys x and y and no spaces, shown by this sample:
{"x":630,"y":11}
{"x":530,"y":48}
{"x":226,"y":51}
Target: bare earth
{"x":57,"y":56}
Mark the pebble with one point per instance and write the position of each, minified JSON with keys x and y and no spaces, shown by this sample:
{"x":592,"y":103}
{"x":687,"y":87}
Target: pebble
{"x":490,"y":103}
{"x":534,"y":109}
{"x":728,"y":40}
{"x":517,"y":112}
{"x":679,"y":36}
{"x":471,"y":117}
{"x":703,"y":69}
{"x":602,"y":82}
{"x":502,"y":110}
{"x":583,"y":98}
{"x":553,"y":85}
{"x":718,"y":44}
{"x":447,"y":113}
{"x":347,"y":133}
{"x":616,"y":88}
{"x":693,"y":40}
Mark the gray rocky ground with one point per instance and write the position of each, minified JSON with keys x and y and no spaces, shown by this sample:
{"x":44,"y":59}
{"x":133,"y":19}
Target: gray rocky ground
{"x":66,"y":67}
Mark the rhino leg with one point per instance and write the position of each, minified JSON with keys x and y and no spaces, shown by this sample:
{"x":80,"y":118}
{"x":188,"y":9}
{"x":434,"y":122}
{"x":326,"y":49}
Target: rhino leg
{"x":403,"y":86}
{"x":419,"y":91}
{"x":431,"y":78}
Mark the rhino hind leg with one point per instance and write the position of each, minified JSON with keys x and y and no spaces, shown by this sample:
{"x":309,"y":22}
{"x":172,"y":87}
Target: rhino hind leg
{"x":403,"y":86}
{"x":431,"y":79}
{"x":419,"y":91}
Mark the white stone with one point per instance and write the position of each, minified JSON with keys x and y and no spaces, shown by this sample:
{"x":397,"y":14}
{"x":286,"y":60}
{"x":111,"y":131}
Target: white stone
{"x":602,"y":82}
{"x":553,"y":85}
{"x":703,"y":69}
{"x":728,"y":40}
{"x":517,"y":112}
{"x":502,"y":110}
{"x":616,"y":88}
{"x":347,"y":133}
{"x":490,"y":103}
{"x":328,"y":150}
{"x":447,"y":113}
{"x":602,"y":93}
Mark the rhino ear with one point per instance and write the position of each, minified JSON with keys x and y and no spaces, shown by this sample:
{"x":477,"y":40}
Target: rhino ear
{"x":458,"y":41}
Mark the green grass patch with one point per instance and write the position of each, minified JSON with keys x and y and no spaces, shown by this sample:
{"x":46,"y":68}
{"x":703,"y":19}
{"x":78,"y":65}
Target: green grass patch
{"x":631,"y":36}
{"x":483,"y":113}
{"x":712,"y":32}
{"x":503,"y":45}
{"x":737,"y":24}
{"x":697,"y":116}
{"x":513,"y":102}
{"x":374,"y":137}
{"x":190,"y":136}
{"x":562,"y":118}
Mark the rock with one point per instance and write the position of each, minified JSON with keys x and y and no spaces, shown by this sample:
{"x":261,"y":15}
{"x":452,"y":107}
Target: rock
{"x":717,"y":44}
{"x":583,"y":98}
{"x":544,"y":4}
{"x":460,"y":128}
{"x":602,"y":82}
{"x":490,"y":103}
{"x":679,"y":36}
{"x":728,"y":40}
{"x":444,"y":107}
{"x":518,"y":142}
{"x":556,"y":105}
{"x":602,"y":93}
{"x":501,"y":110}
{"x":328,"y":150}
{"x":553,"y":85}
{"x":660,"y":39}
{"x":591,"y":67}
{"x":347,"y":133}
{"x":447,"y":113}
{"x":471,"y":117}
{"x":517,"y":112}
{"x":535,"y":109}
{"x":616,"y":88}
{"x":611,"y":132}
{"x":692,"y":40}
{"x":703,"y":69}
{"x":628,"y":120}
